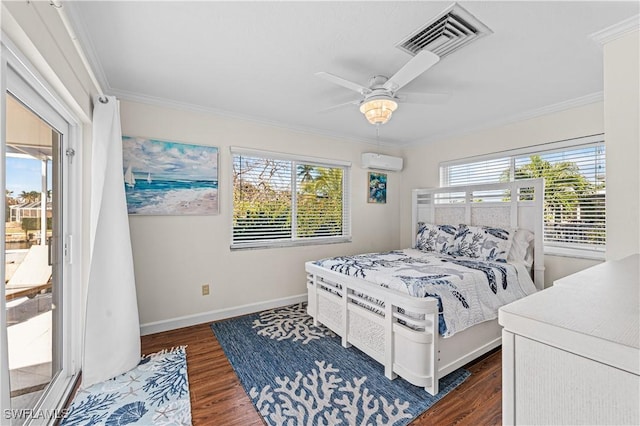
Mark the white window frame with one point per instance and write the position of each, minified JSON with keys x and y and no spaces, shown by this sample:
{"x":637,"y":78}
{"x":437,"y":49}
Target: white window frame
{"x":23,"y":80}
{"x":557,"y":249}
{"x":294,"y":240}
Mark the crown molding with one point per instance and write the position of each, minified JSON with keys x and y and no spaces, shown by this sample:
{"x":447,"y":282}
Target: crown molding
{"x":189,"y":107}
{"x":616,"y":31}
{"x":527,"y":115}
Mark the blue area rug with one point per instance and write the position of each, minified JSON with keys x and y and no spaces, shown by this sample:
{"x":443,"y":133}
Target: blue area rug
{"x":299,"y":374}
{"x":156,"y":392}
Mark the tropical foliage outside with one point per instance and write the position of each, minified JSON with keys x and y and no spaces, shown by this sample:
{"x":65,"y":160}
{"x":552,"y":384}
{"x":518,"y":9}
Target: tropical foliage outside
{"x":320,"y":207}
{"x":26,"y":224}
{"x":573,"y":205}
{"x":24,"y":197}
{"x":263,"y":205}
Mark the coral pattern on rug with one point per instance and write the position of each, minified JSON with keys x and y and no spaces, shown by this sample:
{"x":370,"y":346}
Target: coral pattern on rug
{"x":299,"y":374}
{"x":291,"y":322}
{"x":311,"y":399}
{"x":155,"y":392}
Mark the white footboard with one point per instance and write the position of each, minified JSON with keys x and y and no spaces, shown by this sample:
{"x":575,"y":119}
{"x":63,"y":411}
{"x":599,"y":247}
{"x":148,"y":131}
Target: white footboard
{"x":405,"y":345}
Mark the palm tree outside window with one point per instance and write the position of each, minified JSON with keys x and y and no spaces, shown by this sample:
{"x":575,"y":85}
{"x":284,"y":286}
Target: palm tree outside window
{"x":280,"y":199}
{"x":575,"y":187}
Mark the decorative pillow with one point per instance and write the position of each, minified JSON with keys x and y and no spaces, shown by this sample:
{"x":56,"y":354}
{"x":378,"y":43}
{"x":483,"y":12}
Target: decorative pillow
{"x":521,"y":247}
{"x":482,"y":242}
{"x":438,"y":238}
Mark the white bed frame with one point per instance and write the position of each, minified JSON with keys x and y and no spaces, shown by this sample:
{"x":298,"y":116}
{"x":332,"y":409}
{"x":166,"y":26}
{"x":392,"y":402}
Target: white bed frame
{"x":421,"y":356}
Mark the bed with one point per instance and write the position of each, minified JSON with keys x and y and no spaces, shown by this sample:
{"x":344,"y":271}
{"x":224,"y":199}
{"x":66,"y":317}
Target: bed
{"x":385,"y":303}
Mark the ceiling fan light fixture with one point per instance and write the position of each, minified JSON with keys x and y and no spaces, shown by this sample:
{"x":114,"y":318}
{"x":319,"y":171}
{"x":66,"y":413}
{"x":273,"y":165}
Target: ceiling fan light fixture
{"x":378,"y":111}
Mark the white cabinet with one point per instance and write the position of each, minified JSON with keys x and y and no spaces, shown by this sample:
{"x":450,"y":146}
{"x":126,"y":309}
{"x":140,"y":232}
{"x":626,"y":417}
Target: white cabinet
{"x":571,"y":353}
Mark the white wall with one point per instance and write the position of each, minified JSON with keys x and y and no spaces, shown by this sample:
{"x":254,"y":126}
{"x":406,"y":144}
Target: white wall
{"x":622,"y":127}
{"x":422,"y":162}
{"x":174,"y":256}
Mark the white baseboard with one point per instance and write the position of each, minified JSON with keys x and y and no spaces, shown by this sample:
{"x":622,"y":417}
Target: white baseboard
{"x":217,"y":315}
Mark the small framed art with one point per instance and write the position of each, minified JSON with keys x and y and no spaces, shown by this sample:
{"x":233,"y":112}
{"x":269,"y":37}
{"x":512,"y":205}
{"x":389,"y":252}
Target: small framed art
{"x":377,"y":188}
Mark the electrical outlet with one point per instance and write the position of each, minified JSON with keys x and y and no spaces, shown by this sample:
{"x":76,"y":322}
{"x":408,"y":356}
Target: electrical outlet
{"x":205,"y":289}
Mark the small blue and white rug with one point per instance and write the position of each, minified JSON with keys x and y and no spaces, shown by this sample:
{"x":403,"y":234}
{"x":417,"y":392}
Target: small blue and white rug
{"x":299,"y":374}
{"x":156,"y":392}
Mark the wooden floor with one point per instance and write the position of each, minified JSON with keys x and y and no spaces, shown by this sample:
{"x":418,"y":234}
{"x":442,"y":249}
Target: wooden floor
{"x":217,"y":397}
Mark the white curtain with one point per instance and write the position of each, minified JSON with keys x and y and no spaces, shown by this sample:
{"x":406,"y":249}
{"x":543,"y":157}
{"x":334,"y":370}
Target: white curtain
{"x":112,"y":326}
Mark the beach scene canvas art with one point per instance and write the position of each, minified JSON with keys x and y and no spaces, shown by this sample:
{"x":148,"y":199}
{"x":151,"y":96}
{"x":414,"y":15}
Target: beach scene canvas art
{"x":169,"y":178}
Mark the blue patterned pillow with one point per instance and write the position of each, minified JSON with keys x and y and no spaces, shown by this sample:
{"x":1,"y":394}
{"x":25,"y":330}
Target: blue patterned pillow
{"x":482,"y":242}
{"x":437,"y":238}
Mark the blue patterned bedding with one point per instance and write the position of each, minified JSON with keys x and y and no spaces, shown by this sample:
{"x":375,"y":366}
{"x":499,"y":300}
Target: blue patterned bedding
{"x":469,"y":291}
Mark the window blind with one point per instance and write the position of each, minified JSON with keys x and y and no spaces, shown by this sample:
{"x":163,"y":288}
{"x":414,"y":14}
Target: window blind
{"x":575,"y":187}
{"x":286,"y":201}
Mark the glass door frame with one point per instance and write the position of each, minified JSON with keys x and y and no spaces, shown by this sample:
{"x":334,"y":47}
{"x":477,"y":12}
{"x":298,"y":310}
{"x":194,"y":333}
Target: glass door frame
{"x":23,"y":81}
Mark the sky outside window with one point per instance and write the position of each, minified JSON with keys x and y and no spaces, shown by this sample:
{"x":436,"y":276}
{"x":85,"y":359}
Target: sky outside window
{"x":24,"y":174}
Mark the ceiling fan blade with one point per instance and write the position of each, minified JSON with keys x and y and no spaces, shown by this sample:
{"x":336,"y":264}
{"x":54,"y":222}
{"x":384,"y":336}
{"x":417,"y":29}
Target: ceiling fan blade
{"x":423,"y":98}
{"x":342,"y":105}
{"x":416,"y":66}
{"x":344,"y":83}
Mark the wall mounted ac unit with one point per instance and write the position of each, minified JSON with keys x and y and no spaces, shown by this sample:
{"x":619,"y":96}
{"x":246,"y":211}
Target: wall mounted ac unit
{"x":371,"y":160}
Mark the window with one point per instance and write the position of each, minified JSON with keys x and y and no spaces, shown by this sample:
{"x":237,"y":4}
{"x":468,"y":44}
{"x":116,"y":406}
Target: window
{"x":575,"y":189}
{"x":281,"y":200}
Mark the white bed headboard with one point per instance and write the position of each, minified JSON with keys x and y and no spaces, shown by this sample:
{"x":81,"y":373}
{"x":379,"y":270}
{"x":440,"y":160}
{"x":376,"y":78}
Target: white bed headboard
{"x":517,"y":204}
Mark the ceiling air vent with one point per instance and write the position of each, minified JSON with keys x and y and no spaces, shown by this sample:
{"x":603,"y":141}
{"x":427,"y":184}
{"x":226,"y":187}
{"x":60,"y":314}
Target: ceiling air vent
{"x":446,"y":33}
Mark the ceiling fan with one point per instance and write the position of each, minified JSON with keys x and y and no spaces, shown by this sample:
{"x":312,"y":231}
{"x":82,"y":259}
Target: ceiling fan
{"x":380,"y":98}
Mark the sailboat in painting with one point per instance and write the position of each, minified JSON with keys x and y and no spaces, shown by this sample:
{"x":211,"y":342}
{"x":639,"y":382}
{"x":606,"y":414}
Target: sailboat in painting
{"x":128,"y":177}
{"x":169,"y":178}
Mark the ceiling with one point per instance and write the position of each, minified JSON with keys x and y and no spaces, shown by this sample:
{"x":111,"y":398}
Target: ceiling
{"x":257,"y":60}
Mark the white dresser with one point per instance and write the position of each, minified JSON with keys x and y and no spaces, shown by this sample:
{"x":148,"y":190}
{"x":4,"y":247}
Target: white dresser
{"x":571,"y":353}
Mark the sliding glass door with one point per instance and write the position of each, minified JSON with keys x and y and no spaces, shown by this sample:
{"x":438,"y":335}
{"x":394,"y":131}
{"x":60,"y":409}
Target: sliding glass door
{"x":32,"y":251}
{"x":38,"y":340}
